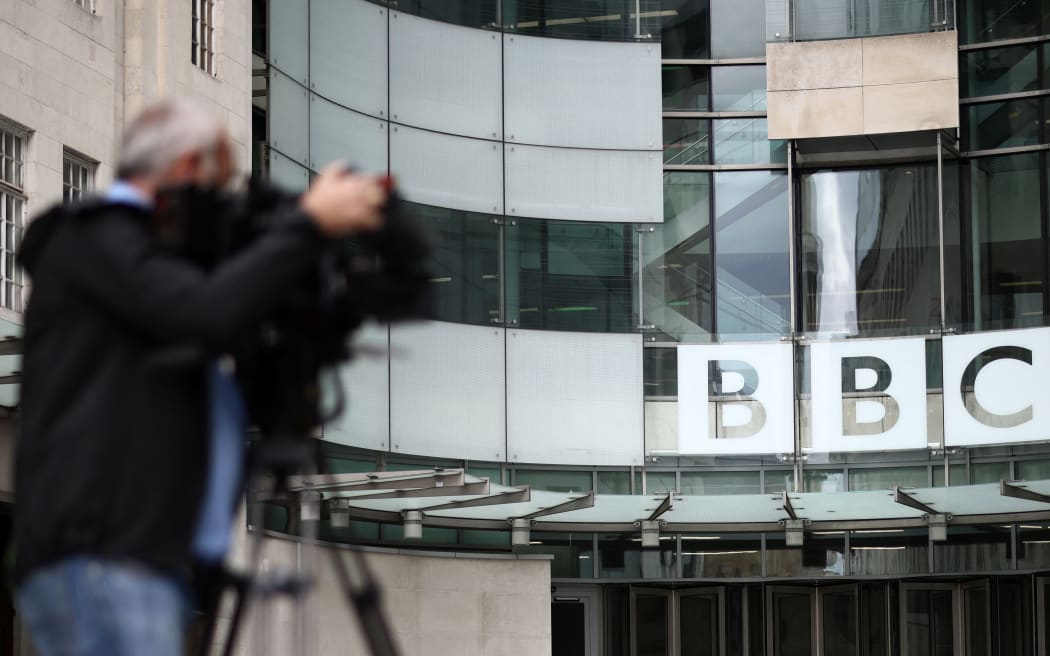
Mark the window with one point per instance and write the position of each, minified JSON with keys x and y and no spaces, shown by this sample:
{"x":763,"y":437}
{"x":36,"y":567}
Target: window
{"x":202,"y":37}
{"x":12,"y":210}
{"x":85,"y":4}
{"x":78,"y":177}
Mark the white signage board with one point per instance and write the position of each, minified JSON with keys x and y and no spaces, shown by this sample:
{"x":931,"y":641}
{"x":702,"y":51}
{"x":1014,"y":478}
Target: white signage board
{"x":997,"y":387}
{"x":735,"y":399}
{"x":868,"y":395}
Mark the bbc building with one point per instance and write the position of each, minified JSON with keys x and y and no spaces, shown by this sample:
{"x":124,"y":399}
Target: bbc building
{"x":741,"y":342}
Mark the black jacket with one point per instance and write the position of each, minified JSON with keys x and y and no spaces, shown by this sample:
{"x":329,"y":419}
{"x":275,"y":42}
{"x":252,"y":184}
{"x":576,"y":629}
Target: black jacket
{"x":110,"y":455}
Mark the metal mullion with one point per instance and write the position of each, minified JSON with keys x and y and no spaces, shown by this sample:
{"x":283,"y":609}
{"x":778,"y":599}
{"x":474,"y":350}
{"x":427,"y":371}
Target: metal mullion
{"x":987,"y":45}
{"x":1004,"y":97}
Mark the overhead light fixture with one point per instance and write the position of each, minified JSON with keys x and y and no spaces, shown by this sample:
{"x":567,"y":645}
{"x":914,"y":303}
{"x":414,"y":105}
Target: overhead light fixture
{"x":650,"y":533}
{"x":520,"y":532}
{"x":413,"y":524}
{"x":938,"y":527}
{"x":794,"y":535}
{"x":339,"y":513}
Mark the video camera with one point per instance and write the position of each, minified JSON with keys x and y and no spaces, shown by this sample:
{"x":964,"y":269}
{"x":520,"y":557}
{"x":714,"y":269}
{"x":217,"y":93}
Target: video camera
{"x":281,"y":361}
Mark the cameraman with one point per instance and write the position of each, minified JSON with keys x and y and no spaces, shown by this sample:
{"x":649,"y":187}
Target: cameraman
{"x":126,"y":471}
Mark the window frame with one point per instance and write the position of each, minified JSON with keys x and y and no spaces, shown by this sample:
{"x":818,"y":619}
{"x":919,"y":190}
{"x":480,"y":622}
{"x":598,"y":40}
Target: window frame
{"x":85,"y":166}
{"x":202,"y":35}
{"x":13,"y":211}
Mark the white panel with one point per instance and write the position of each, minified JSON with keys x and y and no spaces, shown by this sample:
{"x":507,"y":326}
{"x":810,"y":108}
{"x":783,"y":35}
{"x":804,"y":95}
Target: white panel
{"x":445,"y":77}
{"x":447,"y":391}
{"x":287,"y":173}
{"x":754,"y":414}
{"x":584,"y":94}
{"x":289,"y":103}
{"x":288,"y":40}
{"x":1008,"y":400}
{"x":366,"y":420}
{"x":892,"y":415}
{"x":348,"y":54}
{"x":336,"y":133}
{"x":574,"y":398}
{"x":447,"y":171}
{"x":584,"y":185}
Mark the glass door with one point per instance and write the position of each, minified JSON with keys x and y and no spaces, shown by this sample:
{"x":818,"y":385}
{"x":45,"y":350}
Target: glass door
{"x":1042,"y":609}
{"x":701,"y":615}
{"x":651,"y":622}
{"x":977,"y":619}
{"x":790,"y":621}
{"x":839,"y":620}
{"x":928,"y":619}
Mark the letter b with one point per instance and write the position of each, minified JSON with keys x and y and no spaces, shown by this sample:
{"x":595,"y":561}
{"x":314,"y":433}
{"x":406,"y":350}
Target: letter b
{"x":742,"y":397}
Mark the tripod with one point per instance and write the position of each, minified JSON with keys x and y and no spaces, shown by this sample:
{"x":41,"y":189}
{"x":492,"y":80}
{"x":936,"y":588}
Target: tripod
{"x":281,"y":457}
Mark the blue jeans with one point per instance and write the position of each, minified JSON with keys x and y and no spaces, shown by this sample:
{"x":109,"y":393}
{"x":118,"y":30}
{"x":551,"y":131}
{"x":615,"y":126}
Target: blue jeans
{"x":91,"y":607}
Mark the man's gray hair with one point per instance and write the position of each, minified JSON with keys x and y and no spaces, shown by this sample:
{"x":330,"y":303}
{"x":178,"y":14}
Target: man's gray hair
{"x":165,"y":131}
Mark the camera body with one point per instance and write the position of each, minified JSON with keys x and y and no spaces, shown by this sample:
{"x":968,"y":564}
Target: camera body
{"x":282,"y":360}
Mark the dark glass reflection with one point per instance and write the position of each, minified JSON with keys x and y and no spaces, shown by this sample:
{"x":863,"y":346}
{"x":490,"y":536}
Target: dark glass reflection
{"x":994,"y":20}
{"x":792,"y":622}
{"x":570,"y":275}
{"x":837,"y":19}
{"x":686,"y":88}
{"x":870,"y":260}
{"x":650,"y":624}
{"x":660,"y":372}
{"x":687,"y":141}
{"x":573,"y":553}
{"x":974,"y":549}
{"x":751,"y":254}
{"x":1001,"y":124}
{"x":738,"y":88}
{"x":929,"y":630}
{"x":611,"y":20}
{"x":700,"y":624}
{"x":839,"y":621}
{"x":685,"y":29}
{"x":745,"y":141}
{"x":822,"y":554}
{"x":720,"y":482}
{"x":1007,"y":276}
{"x":722,"y":555}
{"x":998,"y":70}
{"x":465,"y":264}
{"x":889,"y":552}
{"x":472,"y":13}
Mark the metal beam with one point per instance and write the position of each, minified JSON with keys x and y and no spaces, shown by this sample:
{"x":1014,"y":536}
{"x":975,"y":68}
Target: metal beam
{"x":664,"y":506}
{"x":377,"y":480}
{"x":576,"y":503}
{"x":1021,"y":492}
{"x":516,"y":496}
{"x":905,"y":499}
{"x":415,"y":493}
{"x":786,"y":505}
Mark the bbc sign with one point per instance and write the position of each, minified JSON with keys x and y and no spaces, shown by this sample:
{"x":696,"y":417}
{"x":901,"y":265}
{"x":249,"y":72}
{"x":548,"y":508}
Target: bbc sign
{"x":865,"y":395}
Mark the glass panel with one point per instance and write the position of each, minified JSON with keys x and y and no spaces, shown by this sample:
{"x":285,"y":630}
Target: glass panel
{"x":687,"y":141}
{"x":823,"y":480}
{"x":491,"y":472}
{"x":973,"y":549}
{"x":839,"y":619}
{"x":975,"y":620}
{"x":738,"y":28}
{"x":958,"y":475}
{"x":677,"y":282}
{"x":1033,"y":548}
{"x":699,"y":622}
{"x":1033,"y":470}
{"x":613,"y":20}
{"x":870,"y":260}
{"x":989,"y":472}
{"x":724,"y":555}
{"x":614,"y":482}
{"x":554,"y":480}
{"x":928,"y":614}
{"x":836,"y":19}
{"x":780,"y":480}
{"x":822,"y":554}
{"x":573,"y":553}
{"x":751,"y":254}
{"x":660,"y":372}
{"x":994,"y":20}
{"x":874,"y":629}
{"x":571,"y":275}
{"x":1007,"y":251}
{"x":889,"y":552}
{"x":884,"y":478}
{"x":998,"y":70}
{"x":792,"y":622}
{"x":686,"y":88}
{"x":1014,"y":615}
{"x":1001,"y":125}
{"x":617,"y":620}
{"x":738,"y":88}
{"x":472,"y":13}
{"x":464,"y":266}
{"x":746,"y":141}
{"x":684,"y":30}
{"x":660,"y":482}
{"x":724,"y":482}
{"x":619,"y":556}
{"x":348,"y":465}
{"x":650,"y":623}
{"x":485,"y":538}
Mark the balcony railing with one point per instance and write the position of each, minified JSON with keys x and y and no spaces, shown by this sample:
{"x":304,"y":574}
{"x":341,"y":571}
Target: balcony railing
{"x":816,"y":20}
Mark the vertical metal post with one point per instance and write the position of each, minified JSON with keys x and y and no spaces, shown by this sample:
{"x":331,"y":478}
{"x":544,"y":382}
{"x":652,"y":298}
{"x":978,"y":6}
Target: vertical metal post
{"x":940,"y":224}
{"x":638,"y":19}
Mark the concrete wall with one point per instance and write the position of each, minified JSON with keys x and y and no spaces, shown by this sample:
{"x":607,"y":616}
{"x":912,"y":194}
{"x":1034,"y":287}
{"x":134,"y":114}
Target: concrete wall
{"x":439,"y":603}
{"x":862,"y":86}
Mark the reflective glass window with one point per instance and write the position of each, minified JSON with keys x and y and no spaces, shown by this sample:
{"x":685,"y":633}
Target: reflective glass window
{"x":554,"y":480}
{"x":1001,"y":124}
{"x":464,"y":264}
{"x":836,"y":19}
{"x":738,"y":88}
{"x":687,"y":141}
{"x":738,"y":28}
{"x":660,"y":372}
{"x":491,"y":472}
{"x":614,"y":482}
{"x":1007,"y":251}
{"x":621,"y":557}
{"x":989,"y":472}
{"x":998,"y":70}
{"x":751,"y":254}
{"x":778,"y":480}
{"x":721,"y":555}
{"x":570,"y":275}
{"x":613,"y":20}
{"x":1033,"y":470}
{"x":657,"y":482}
{"x":889,"y":552}
{"x":686,"y":88}
{"x":823,"y":554}
{"x":994,"y":20}
{"x":884,"y":478}
{"x":472,"y":13}
{"x":745,"y":141}
{"x":720,"y":482}
{"x":869,"y":254}
{"x":676,"y":277}
{"x":974,"y":549}
{"x":685,"y":29}
{"x":1033,"y":545}
{"x":573,"y":553}
{"x":823,"y":480}
{"x":958,"y":475}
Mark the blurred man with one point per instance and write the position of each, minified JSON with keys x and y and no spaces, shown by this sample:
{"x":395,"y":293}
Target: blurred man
{"x":126,"y":471}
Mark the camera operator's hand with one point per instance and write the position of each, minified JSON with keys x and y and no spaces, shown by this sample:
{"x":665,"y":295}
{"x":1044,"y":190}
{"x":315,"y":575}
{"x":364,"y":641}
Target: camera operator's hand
{"x":341,"y":203}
